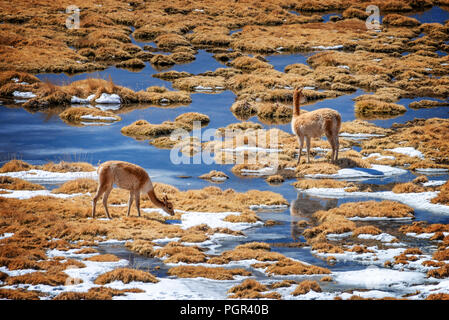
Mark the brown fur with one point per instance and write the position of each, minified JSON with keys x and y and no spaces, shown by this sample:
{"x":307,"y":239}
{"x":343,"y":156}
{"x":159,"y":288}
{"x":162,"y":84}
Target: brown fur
{"x":314,"y":124}
{"x":130,"y":177}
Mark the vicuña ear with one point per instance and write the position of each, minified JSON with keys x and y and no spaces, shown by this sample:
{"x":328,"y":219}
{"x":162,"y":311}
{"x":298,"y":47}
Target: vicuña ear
{"x":165,"y":198}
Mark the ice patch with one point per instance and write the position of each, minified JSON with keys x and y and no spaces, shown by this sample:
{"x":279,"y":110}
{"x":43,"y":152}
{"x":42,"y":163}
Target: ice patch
{"x":337,"y":47}
{"x":378,"y":278}
{"x":77,"y":100}
{"x":56,"y":177}
{"x":359,"y":136}
{"x":27,"y":194}
{"x":215,"y":220}
{"x":6,"y":235}
{"x":91,"y":117}
{"x":376,"y":171}
{"x":408,"y":151}
{"x":108,"y":98}
{"x":24,"y":95}
{"x":258,"y":172}
{"x":383,"y":237}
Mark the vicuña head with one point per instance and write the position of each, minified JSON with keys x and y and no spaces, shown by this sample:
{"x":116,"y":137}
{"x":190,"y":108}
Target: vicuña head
{"x":130,"y":177}
{"x":315,"y":124}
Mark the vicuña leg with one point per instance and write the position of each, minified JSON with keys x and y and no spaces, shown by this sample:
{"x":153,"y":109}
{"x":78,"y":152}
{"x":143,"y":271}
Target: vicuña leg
{"x":105,"y":200}
{"x":130,"y":202}
{"x":100,"y":191}
{"x":308,"y":148}
{"x":137,"y":197}
{"x":301,"y":145}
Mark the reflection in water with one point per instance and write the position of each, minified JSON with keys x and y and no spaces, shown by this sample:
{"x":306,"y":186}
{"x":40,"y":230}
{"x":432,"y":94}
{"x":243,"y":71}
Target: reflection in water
{"x":303,"y":207}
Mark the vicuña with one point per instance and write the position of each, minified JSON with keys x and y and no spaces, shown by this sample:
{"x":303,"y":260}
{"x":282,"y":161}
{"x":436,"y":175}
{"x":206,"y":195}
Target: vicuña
{"x":130,"y":177}
{"x":315,"y":124}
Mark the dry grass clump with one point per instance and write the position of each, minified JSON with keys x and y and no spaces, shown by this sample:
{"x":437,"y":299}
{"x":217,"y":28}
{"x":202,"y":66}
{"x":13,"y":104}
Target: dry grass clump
{"x":439,"y":273}
{"x":385,"y":208}
{"x":427,"y":104}
{"x":275,"y":179}
{"x":177,"y":252}
{"x":438,"y":296}
{"x":361,"y":126}
{"x":247,"y":63}
{"x":288,"y":266}
{"x":305,"y":184}
{"x":36,"y":278}
{"x":305,"y":286}
{"x":215,"y":176}
{"x":19,"y":294}
{"x":251,"y":289}
{"x":397,"y":20}
{"x":81,"y":185}
{"x":134,"y":63}
{"x":243,"y":110}
{"x":200,"y":83}
{"x":370,"y":108}
{"x":254,"y":250}
{"x":408,"y":187}
{"x":366,"y":230}
{"x":443,"y":195}
{"x":216,"y":273}
{"x":144,"y":129}
{"x":18,"y":184}
{"x":96,"y":293}
{"x":16,"y":166}
{"x":64,"y":166}
{"x":422,"y":227}
{"x":103,"y":258}
{"x":77,"y":115}
{"x":126,"y":275}
{"x":429,"y":136}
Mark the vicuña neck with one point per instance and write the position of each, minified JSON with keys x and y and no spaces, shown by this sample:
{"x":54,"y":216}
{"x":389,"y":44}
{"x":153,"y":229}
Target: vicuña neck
{"x":154,"y":199}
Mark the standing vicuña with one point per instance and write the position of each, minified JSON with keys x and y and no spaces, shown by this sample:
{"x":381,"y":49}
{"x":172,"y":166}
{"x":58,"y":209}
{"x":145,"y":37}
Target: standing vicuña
{"x":314,"y":124}
{"x":130,"y":177}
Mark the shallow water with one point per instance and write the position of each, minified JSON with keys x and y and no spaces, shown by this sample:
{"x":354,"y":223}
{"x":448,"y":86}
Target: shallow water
{"x":41,"y":137}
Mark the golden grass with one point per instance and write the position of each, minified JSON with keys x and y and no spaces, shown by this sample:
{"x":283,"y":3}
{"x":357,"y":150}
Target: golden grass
{"x":366,"y":230}
{"x":76,"y":115}
{"x":96,"y":293}
{"x":408,"y":187}
{"x":287,"y":266}
{"x":126,"y":275}
{"x":81,"y":185}
{"x":16,"y":166}
{"x":443,"y":195}
{"x":36,"y":278}
{"x":216,"y":273}
{"x":251,"y":289}
{"x":214,"y":176}
{"x":19,"y":294}
{"x":144,"y":129}
{"x":18,"y":184}
{"x":177,"y":252}
{"x":371,"y":108}
{"x":103,"y":258}
{"x":305,"y":286}
{"x":428,"y":136}
{"x":254,"y":250}
{"x":427,"y":104}
{"x":304,"y":184}
{"x":385,"y":208}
